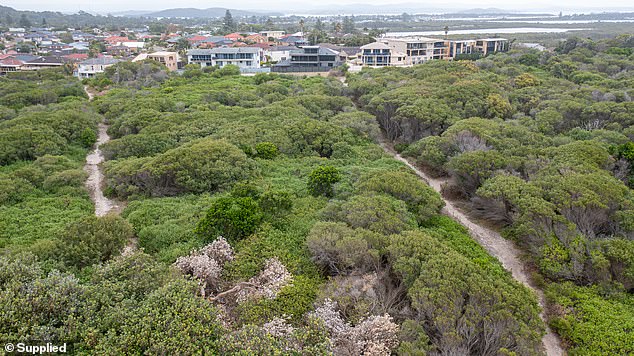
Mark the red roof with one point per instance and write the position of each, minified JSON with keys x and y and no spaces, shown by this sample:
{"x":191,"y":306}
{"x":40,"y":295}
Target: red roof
{"x":196,"y":38}
{"x":11,"y":62}
{"x":233,"y":36}
{"x":239,"y":44}
{"x":263,"y":45}
{"x":3,"y":56}
{"x":115,"y":39}
{"x":76,"y":56}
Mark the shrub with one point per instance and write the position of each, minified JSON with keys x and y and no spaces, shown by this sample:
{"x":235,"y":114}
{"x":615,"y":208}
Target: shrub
{"x":93,"y":240}
{"x":322,"y":179}
{"x":266,"y":150}
{"x":233,"y":218}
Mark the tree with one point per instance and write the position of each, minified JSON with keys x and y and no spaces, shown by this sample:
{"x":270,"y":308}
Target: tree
{"x":348,"y":25}
{"x":322,"y":179}
{"x":24,"y":21}
{"x":228,"y":23}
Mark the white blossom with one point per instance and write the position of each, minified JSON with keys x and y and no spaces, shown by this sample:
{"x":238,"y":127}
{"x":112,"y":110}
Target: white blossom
{"x":267,"y":283}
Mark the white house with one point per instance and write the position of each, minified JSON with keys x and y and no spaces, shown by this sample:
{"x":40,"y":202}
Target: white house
{"x":279,"y":53}
{"x":92,"y":66}
{"x":243,"y":57}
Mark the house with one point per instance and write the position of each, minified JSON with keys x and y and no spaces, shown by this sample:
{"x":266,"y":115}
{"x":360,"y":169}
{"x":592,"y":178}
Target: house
{"x":90,"y":67}
{"x":169,"y":59}
{"x":75,"y":57}
{"x":234,"y":36}
{"x":255,"y":38}
{"x":381,"y":54}
{"x":272,"y":34}
{"x":309,"y":59}
{"x":243,"y":57}
{"x":10,"y":64}
{"x":279,"y":53}
{"x":116,"y":40}
{"x":133,"y":45}
{"x":293,"y":40}
{"x":42,"y":63}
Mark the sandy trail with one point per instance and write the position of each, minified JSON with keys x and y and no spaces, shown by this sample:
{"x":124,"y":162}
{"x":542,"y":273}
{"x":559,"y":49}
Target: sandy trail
{"x":502,"y":249}
{"x":95,"y":181}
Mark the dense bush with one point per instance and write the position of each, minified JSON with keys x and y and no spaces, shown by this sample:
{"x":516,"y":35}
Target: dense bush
{"x":202,"y":166}
{"x":322,"y":179}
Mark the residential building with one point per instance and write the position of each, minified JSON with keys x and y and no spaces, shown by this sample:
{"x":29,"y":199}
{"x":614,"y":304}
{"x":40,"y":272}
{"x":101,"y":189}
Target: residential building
{"x":461,"y":47}
{"x":379,"y":54}
{"x":10,"y":64}
{"x":407,"y":51}
{"x":243,"y":57}
{"x":279,"y":53}
{"x":169,"y":59}
{"x":43,"y":62}
{"x":310,"y":59}
{"x":273,"y":34}
{"x":90,"y":67}
{"x":486,"y":46}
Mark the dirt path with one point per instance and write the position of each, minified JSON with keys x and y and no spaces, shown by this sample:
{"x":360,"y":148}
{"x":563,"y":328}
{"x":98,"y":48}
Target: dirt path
{"x":95,"y":181}
{"x":502,"y":249}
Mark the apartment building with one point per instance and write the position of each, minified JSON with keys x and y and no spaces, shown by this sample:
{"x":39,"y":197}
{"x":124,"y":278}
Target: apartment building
{"x":243,"y":57}
{"x":407,"y":51}
{"x":486,"y":46}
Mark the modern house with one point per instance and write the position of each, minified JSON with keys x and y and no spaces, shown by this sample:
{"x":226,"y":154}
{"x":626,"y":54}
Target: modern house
{"x":243,"y":57}
{"x":310,"y":59}
{"x":379,"y":54}
{"x":279,"y":53}
{"x":90,"y":67}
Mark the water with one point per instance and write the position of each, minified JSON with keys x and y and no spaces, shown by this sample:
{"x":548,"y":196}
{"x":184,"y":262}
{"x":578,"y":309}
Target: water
{"x":485,"y":31}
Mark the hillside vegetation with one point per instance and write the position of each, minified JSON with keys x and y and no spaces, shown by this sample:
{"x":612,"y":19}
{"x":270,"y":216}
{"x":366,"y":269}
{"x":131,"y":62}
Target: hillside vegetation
{"x":541,"y":145}
{"x":268,"y":221}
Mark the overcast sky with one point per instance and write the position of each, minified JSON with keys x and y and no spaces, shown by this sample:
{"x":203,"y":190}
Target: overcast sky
{"x":280,"y":5}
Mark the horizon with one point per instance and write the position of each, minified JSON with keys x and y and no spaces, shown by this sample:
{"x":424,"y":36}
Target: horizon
{"x":371,"y":6}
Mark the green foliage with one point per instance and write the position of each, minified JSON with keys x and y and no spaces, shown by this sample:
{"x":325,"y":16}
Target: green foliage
{"x":266,"y":150}
{"x":232,"y":218}
{"x":592,"y":323}
{"x":322,"y":179}
{"x":202,"y":166}
{"x":421,"y":199}
{"x":93,"y":240}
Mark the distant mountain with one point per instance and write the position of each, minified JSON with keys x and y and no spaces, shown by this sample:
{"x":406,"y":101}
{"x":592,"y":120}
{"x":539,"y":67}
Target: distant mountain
{"x":212,"y":12}
{"x":367,"y":9}
{"x":487,"y":11}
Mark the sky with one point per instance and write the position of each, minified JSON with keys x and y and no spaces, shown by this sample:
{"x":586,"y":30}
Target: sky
{"x":280,"y":5}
